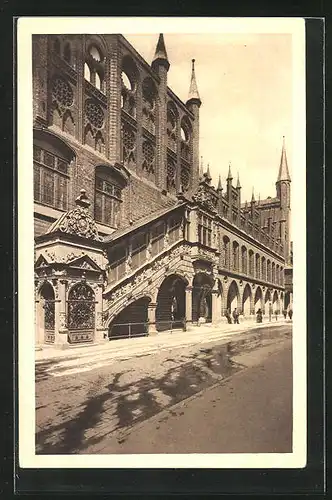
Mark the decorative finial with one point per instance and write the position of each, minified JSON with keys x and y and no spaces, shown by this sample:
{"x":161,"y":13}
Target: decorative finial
{"x":82,"y":199}
{"x":208,"y":175}
{"x":229,"y":176}
{"x":193,"y":95}
{"x":283,"y":169}
{"x":238,"y":185}
{"x":160,"y":56}
{"x":253,"y":195}
{"x":219,"y":188}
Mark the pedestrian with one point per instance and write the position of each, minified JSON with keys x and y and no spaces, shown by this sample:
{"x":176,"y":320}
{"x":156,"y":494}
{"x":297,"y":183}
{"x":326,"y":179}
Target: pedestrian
{"x":228,"y":316}
{"x":270,"y":311}
{"x":284,"y":312}
{"x":290,"y":314}
{"x":276,"y":313}
{"x":236,"y":316}
{"x":259,"y":316}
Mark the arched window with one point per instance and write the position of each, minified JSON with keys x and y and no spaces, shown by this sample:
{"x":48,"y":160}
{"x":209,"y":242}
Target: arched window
{"x":107,"y":198}
{"x":251,"y":263}
{"x":94,"y":69}
{"x":95,"y":53}
{"x":67,"y":53}
{"x":273,"y":272}
{"x":87,"y":72}
{"x":264,"y":268}
{"x":235,"y":256}
{"x":81,"y":308}
{"x":98,"y":82}
{"x":244,"y":260}
{"x":129,"y":77}
{"x":226,"y":259}
{"x":257,"y":266}
{"x":51,"y":166}
{"x":172,"y":117}
{"x":269,"y":271}
{"x":185,"y":139}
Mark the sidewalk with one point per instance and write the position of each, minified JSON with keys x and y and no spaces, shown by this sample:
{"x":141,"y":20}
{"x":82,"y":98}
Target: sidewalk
{"x":130,"y":347}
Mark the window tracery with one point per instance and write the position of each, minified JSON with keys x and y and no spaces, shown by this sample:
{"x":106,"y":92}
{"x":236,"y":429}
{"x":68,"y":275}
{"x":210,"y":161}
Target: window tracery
{"x":171,"y":129}
{"x":94,"y":114}
{"x":149,"y":105}
{"x":171,"y":175}
{"x":149,"y":156}
{"x":62,"y":92}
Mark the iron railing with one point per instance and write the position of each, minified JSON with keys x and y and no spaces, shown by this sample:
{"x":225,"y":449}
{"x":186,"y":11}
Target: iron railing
{"x":142,"y":329}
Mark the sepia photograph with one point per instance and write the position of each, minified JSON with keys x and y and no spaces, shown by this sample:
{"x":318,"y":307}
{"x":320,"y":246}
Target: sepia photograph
{"x":165,"y":212}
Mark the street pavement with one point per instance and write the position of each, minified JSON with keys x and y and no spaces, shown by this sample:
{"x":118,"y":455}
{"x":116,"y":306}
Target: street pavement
{"x":251,"y":412}
{"x":91,"y":403}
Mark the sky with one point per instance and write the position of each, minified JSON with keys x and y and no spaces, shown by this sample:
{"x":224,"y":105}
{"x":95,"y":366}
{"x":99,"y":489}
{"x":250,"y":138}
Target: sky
{"x":245,"y":84}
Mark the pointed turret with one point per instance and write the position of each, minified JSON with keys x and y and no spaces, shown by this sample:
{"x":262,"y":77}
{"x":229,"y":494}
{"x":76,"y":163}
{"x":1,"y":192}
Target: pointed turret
{"x":208,"y":175}
{"x":219,"y":187}
{"x":253,"y":196}
{"x":283,"y":169}
{"x":229,"y":176}
{"x":238,"y":185}
{"x":201,"y":168}
{"x":160,"y":56}
{"x":193,"y":96}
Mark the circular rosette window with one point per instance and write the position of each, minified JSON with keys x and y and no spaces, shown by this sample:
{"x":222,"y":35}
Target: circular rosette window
{"x":62,"y":92}
{"x":94,"y":113}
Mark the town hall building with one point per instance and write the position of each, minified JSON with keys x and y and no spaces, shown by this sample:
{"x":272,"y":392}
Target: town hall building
{"x":131,"y":237}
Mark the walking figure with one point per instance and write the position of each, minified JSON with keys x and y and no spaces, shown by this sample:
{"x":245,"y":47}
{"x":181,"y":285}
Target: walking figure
{"x":236,"y":316}
{"x":290,"y":314}
{"x":228,"y":316}
{"x":259,"y":316}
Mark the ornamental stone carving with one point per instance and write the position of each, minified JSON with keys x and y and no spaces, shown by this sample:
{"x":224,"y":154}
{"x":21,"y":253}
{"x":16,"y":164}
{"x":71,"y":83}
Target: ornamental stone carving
{"x":78,"y":221}
{"x":204,"y":197}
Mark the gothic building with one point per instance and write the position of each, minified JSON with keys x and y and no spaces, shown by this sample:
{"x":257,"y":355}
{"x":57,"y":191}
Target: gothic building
{"x":131,"y":237}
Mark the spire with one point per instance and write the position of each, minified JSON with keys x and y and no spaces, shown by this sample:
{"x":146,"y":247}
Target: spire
{"x":208,"y":175}
{"x":201,"y":168}
{"x":229,"y":177}
{"x":219,"y":187}
{"x":160,"y":55}
{"x":193,"y":90}
{"x":283,"y":169}
{"x":253,"y":196}
{"x":238,"y":185}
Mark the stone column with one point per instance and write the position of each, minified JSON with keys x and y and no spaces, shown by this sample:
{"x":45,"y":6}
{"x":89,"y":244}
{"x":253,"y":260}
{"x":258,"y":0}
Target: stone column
{"x":152,"y":330}
{"x":189,"y":304}
{"x":60,"y":329}
{"x":215,"y":306}
{"x":100,"y":330}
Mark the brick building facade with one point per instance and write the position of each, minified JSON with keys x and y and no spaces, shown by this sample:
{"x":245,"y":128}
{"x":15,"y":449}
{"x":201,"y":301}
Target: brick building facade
{"x":131,"y":236}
